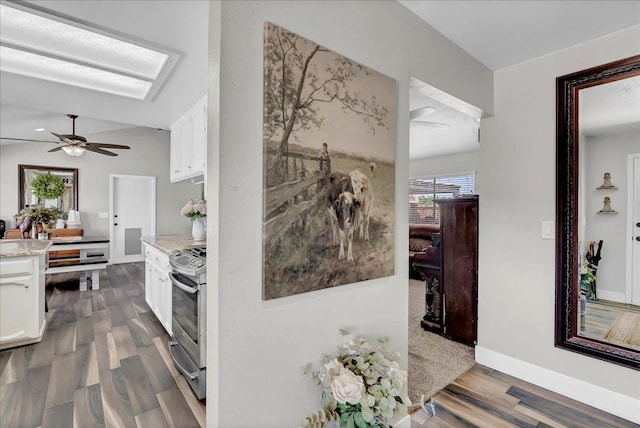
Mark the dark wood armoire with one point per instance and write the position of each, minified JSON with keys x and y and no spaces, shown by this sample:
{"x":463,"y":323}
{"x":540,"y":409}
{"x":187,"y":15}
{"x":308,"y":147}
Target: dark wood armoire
{"x":452,"y":285}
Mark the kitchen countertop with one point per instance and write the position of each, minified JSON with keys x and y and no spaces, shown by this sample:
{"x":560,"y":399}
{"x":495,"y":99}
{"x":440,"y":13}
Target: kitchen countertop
{"x":168,"y":243}
{"x":23,"y":247}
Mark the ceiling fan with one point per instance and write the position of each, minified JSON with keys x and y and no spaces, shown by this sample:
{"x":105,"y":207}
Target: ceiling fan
{"x":416,"y":118}
{"x":76,"y":145}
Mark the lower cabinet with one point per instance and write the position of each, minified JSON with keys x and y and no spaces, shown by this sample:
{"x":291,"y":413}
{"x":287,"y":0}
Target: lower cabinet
{"x":22,"y":319}
{"x":158,"y":285}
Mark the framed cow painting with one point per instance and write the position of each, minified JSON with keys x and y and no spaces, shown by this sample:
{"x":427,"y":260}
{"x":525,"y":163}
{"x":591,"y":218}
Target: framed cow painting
{"x":329,"y":129}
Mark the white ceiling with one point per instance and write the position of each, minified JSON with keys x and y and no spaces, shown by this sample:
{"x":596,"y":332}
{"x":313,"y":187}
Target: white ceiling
{"x":460,"y":136}
{"x":180,"y":25}
{"x":610,"y":108}
{"x":503,"y":33}
{"x":498,"y":33}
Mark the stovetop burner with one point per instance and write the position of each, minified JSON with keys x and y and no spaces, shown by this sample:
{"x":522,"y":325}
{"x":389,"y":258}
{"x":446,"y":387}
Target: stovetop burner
{"x":196,"y":252}
{"x":189,"y":261}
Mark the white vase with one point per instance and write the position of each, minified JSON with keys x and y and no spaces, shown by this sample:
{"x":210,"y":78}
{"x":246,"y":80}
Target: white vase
{"x":199,"y":229}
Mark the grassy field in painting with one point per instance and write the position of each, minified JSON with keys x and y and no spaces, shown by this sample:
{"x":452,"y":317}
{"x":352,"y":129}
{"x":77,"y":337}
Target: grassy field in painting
{"x":304,"y":260}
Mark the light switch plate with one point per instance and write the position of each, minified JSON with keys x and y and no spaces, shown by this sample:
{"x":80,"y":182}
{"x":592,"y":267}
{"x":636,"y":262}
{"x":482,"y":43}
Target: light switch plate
{"x":103,"y":215}
{"x":548,"y":230}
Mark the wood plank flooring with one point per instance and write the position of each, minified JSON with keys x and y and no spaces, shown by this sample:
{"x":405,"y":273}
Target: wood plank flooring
{"x":103,"y":362}
{"x":483,"y":397}
{"x":601,"y":315}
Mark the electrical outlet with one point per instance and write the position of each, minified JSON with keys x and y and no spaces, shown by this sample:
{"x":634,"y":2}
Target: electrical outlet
{"x":548,"y":230}
{"x":103,"y":215}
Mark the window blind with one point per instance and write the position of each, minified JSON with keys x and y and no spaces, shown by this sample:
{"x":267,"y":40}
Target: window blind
{"x":423,"y":192}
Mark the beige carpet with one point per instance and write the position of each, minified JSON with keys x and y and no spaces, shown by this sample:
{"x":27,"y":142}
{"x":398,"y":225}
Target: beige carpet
{"x":625,"y":332}
{"x":434,"y":362}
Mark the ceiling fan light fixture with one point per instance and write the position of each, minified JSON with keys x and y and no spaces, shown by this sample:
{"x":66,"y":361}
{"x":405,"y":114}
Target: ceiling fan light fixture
{"x":420,"y":112}
{"x":73,"y":150}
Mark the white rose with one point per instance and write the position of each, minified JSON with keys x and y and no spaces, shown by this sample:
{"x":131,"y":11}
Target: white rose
{"x":334,"y":365}
{"x":347,"y":388}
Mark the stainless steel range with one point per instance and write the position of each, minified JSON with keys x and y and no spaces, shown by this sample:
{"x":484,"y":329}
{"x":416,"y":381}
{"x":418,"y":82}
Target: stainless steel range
{"x":188,"y":345}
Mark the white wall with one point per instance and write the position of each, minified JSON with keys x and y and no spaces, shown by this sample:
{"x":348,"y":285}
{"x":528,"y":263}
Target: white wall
{"x":517,"y":172}
{"x":258,"y":348}
{"x":608,"y":153}
{"x":440,"y":165}
{"x":149,"y":155}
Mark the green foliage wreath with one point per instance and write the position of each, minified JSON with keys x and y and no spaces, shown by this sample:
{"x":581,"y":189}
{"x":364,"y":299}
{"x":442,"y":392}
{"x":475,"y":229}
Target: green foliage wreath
{"x":47,"y":186}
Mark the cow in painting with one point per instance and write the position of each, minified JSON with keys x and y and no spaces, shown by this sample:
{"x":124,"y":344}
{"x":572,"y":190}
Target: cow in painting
{"x":343,"y":209}
{"x":363,"y":192}
{"x":373,"y":166}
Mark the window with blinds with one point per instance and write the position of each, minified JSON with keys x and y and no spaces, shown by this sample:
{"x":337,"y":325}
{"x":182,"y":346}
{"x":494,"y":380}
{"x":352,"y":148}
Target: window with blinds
{"x":424,"y":191}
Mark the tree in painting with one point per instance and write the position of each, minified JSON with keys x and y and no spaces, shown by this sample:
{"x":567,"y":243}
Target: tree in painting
{"x":297,"y":81}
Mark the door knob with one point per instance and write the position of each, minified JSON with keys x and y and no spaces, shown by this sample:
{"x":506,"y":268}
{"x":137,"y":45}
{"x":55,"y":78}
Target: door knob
{"x":637,"y":224}
{"x":115,"y":215}
{"x":637,"y":238}
{"x":115,"y":224}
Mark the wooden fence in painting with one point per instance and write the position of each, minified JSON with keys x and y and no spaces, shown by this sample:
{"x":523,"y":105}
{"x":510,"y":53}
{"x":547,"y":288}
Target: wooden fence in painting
{"x":289,"y":202}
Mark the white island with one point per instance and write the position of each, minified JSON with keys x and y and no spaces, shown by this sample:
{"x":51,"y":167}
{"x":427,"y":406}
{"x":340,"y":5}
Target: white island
{"x":22,"y":296}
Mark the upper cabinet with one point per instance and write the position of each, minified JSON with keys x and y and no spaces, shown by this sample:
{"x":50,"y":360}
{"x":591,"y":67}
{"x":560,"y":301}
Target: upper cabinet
{"x":189,"y":143}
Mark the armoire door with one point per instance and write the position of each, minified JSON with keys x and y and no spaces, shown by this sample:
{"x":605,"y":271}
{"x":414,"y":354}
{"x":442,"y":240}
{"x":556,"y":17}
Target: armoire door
{"x":459,"y":228}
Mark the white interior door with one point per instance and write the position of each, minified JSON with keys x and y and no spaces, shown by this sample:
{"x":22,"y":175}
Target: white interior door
{"x":132,"y":214}
{"x":633,"y":248}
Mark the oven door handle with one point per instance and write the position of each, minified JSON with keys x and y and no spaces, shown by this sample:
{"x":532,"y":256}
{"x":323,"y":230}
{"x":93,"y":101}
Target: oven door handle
{"x":184,"y":371}
{"x":181,"y":286}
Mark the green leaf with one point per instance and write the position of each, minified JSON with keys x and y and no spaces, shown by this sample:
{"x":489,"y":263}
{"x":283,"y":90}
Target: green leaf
{"x":343,"y":418}
{"x":351,"y":422}
{"x":359,"y":420}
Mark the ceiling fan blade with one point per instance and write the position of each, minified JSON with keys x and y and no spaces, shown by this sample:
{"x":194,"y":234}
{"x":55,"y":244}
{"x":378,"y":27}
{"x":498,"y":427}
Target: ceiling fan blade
{"x":99,"y":150}
{"x":430,"y":125}
{"x":55,"y":149}
{"x":107,"y":145}
{"x":420,"y":112}
{"x":63,"y":138}
{"x":26,"y":139}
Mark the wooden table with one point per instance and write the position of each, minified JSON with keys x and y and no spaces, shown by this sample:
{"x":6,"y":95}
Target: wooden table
{"x":89,"y":265}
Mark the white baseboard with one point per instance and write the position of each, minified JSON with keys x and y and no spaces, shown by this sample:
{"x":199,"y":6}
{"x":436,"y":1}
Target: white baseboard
{"x":611,"y":296}
{"x":403,"y":422}
{"x":611,"y":402}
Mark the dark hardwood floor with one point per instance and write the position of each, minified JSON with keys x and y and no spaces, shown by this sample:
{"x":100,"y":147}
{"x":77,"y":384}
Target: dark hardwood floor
{"x":103,"y":362}
{"x":483,"y":397}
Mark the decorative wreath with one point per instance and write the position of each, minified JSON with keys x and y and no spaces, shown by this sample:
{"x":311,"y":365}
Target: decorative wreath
{"x":47,"y":186}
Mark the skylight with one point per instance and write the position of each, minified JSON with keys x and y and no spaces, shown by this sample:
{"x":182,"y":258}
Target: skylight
{"x":44,"y":46}
{"x":69,"y":73}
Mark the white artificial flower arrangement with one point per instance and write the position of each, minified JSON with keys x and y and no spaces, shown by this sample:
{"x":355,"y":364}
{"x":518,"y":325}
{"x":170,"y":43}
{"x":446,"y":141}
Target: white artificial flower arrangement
{"x":194,"y":209}
{"x":362,"y":386}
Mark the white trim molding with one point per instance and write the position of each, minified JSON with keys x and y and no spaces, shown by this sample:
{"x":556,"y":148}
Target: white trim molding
{"x":612,"y":296}
{"x":633,"y":290}
{"x":612,"y":402}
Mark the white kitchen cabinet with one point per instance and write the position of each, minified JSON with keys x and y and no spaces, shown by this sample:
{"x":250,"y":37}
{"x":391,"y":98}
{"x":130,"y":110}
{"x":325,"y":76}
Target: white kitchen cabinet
{"x":158,"y":285}
{"x":189,"y":143}
{"x":22,"y":298}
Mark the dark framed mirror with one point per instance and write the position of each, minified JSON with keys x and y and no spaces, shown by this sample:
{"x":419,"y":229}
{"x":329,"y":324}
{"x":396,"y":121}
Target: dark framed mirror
{"x":68,"y":201}
{"x":597,"y":270}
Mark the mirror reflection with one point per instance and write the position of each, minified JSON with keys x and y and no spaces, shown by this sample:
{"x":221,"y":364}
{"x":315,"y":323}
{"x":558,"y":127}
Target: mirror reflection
{"x":67,"y":201}
{"x":609,"y":212}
